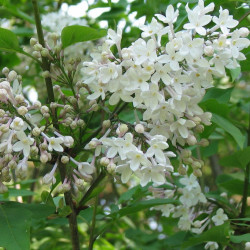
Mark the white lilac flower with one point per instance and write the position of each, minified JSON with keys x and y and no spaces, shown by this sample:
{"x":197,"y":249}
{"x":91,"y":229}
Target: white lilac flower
{"x":137,"y":159}
{"x":125,"y":171}
{"x":170,"y":15}
{"x":17,"y":124}
{"x":220,"y":217}
{"x":211,"y":245}
{"x":23,"y":144}
{"x":55,"y":144}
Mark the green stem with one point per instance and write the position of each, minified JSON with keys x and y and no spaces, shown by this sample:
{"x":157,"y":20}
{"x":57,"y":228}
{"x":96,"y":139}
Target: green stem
{"x":92,"y":230}
{"x":246,"y":182}
{"x":92,"y":187}
{"x":46,"y":67}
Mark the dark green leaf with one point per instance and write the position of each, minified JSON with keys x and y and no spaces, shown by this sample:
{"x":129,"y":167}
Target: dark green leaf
{"x":220,"y":95}
{"x":14,"y":226}
{"x":47,"y":198}
{"x":230,"y":128}
{"x":218,"y":234}
{"x":235,"y":73}
{"x":76,"y":33}
{"x":239,"y":159}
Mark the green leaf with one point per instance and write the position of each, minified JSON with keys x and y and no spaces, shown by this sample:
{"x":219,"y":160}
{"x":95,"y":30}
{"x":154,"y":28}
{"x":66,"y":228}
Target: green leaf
{"x":14,"y":227}
{"x":230,"y":128}
{"x":239,"y":159}
{"x":218,"y":234}
{"x":19,"y":192}
{"x":233,"y":183}
{"x":76,"y":33}
{"x":141,"y":205}
{"x":240,"y":238}
{"x":8,"y":41}
{"x":235,"y":73}
{"x":220,"y":95}
{"x":47,"y":198}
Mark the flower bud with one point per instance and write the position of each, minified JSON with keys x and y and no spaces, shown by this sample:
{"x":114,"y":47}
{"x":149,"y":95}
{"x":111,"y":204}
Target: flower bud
{"x":12,"y":75}
{"x":123,"y":128}
{"x":139,"y":128}
{"x":37,"y":105}
{"x":4,"y":128}
{"x":36,"y":131}
{"x":197,"y":173}
{"x":111,"y":168}
{"x":38,"y":47}
{"x":45,"y":52}
{"x":8,"y":157}
{"x":185,"y":153}
{"x":44,"y":158}
{"x":196,"y":165}
{"x":79,"y":184}
{"x":106,"y":124}
{"x":34,"y":151}
{"x":199,"y":128}
{"x":46,"y":74}
{"x":12,"y":164}
{"x":2,"y":113}
{"x":247,"y":245}
{"x":17,"y":124}
{"x":197,"y":224}
{"x":43,"y":146}
{"x":19,"y":98}
{"x":3,"y":188}
{"x":104,"y":161}
{"x":244,"y":32}
{"x":22,"y":110}
{"x":95,"y":107}
{"x":33,"y":41}
{"x":204,"y":142}
{"x":92,"y":102}
{"x":73,"y":125}
{"x":209,"y":51}
{"x":44,"y":109}
{"x":46,"y":115}
{"x":68,"y":141}
{"x":80,"y":123}
{"x":5,"y":71}
{"x":191,"y":140}
{"x":72,"y":100}
{"x":64,"y":159}
{"x":36,"y":54}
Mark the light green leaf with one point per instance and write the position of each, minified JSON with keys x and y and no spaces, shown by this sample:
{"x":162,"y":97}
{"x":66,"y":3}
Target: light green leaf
{"x":235,"y":73}
{"x":230,"y":128}
{"x":14,"y":227}
{"x":47,"y":198}
{"x":240,"y":238}
{"x":8,"y":41}
{"x":76,"y":33}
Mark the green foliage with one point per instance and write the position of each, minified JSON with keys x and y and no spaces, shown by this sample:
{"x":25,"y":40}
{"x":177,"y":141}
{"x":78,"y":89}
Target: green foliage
{"x":76,"y":33}
{"x":8,"y":41}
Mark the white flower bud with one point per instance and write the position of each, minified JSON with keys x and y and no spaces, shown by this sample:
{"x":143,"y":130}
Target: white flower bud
{"x":73,"y":125}
{"x":196,"y":165}
{"x":22,"y":110}
{"x":44,"y":109}
{"x":34,"y":151}
{"x":68,"y":121}
{"x":79,"y":184}
{"x":104,"y":161}
{"x":123,"y":128}
{"x":36,"y":131}
{"x":33,"y":41}
{"x":5,"y":71}
{"x":111,"y":168}
{"x":92,"y":102}
{"x":43,"y":146}
{"x":197,"y":224}
{"x":46,"y":74}
{"x":139,"y":128}
{"x":191,"y":140}
{"x":45,"y":52}
{"x":36,"y":54}
{"x":38,"y":47}
{"x":199,"y":128}
{"x":4,"y":128}
{"x":185,"y":153}
{"x":80,"y":123}
{"x":182,"y":170}
{"x":49,"y":179}
{"x":12,"y":75}
{"x":244,"y":32}
{"x":65,"y":159}
{"x":46,"y":115}
{"x":208,"y":50}
{"x":19,"y":98}
{"x":2,"y":113}
{"x":106,"y":124}
{"x":93,"y":144}
{"x":44,"y":158}
{"x":37,"y":105}
{"x":68,"y":141}
{"x":8,"y":157}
